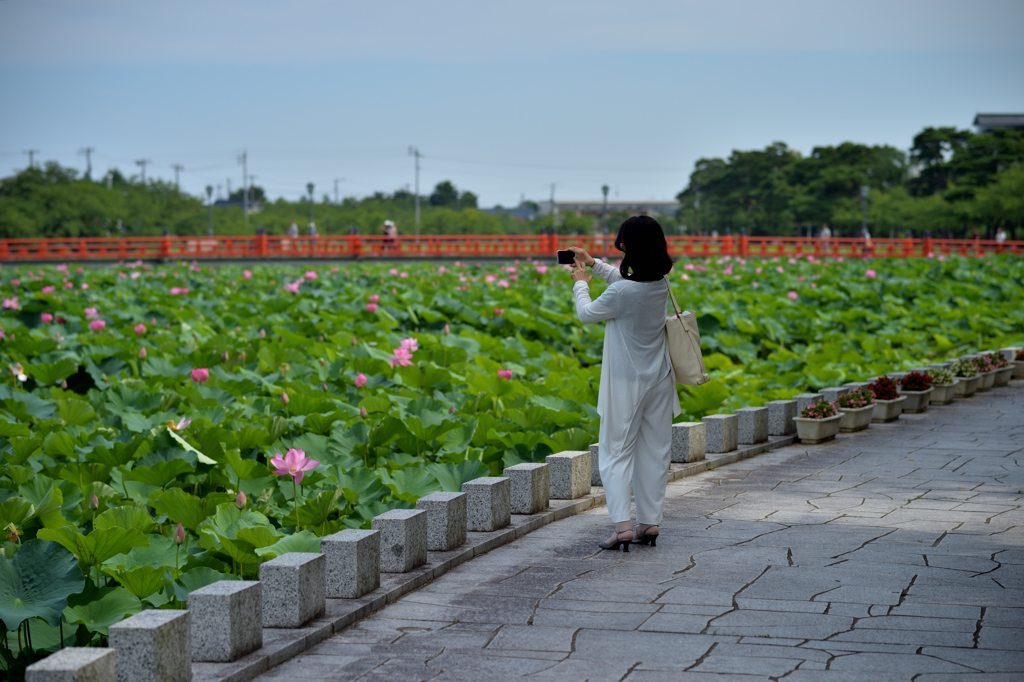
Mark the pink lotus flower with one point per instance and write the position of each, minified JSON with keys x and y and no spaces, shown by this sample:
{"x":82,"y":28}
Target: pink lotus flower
{"x":490,"y":279}
{"x":374,"y":298}
{"x":16,"y":282}
{"x":779,"y":269}
{"x":311,"y":274}
{"x":686,"y":277}
{"x":90,"y":313}
{"x":136,"y":275}
{"x":142,"y":353}
{"x":246,"y":274}
{"x":47,"y":318}
{"x":84,"y":285}
{"x":69,"y":285}
{"x":754,"y":284}
{"x":178,"y":291}
{"x":97,"y":325}
{"x":403,"y":274}
{"x":371,"y":307}
{"x":541,"y":269}
{"x":360,"y":380}
{"x":183,"y":423}
{"x":393,"y":271}
{"x":294,"y":464}
{"x":48,"y":290}
{"x":504,"y":374}
{"x":503,"y":284}
{"x":293,"y":287}
{"x":241,"y":500}
{"x":757,"y":271}
{"x":499,"y":311}
{"x":139,"y":329}
{"x":871,"y":274}
{"x":200,"y":375}
{"x":402,"y":357}
{"x":410,"y":344}
{"x":792,"y":296}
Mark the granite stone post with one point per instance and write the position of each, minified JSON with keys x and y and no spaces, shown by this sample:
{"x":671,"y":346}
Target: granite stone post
{"x":688,"y":442}
{"x":294,"y":589}
{"x":153,"y":646}
{"x":446,"y":520}
{"x":403,"y":539}
{"x":488,"y":503}
{"x":530,"y":487}
{"x":751,"y":425}
{"x":832,"y":394}
{"x":780,"y":417}
{"x":227,"y":619}
{"x":570,"y":474}
{"x":595,"y":466}
{"x":353,"y":563}
{"x":721,"y":432}
{"x":1009,"y":353}
{"x":805,"y":400}
{"x":854,"y":385}
{"x":75,"y":664}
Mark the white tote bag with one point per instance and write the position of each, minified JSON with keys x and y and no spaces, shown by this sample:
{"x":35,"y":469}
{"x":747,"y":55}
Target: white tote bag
{"x":684,"y":345}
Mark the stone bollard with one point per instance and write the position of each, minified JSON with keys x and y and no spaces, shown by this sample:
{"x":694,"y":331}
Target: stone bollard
{"x":688,"y":442}
{"x":530,"y":487}
{"x":446,"y":520}
{"x":294,"y":589}
{"x":595,"y":465}
{"x":488,"y":503}
{"x":570,"y":474}
{"x":720,"y":430}
{"x":154,"y":645}
{"x":854,"y":385}
{"x":227,"y":620}
{"x":1009,"y":353}
{"x":75,"y":664}
{"x":832,"y":394}
{"x":751,"y":425}
{"x":805,"y":400}
{"x":403,"y":539}
{"x":353,"y":563}
{"x":780,"y":417}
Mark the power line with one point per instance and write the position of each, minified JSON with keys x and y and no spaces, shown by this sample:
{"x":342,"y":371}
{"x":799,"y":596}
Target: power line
{"x":142,"y":164}
{"x":177,"y":169}
{"x":31,"y":157}
{"x":87,"y":151}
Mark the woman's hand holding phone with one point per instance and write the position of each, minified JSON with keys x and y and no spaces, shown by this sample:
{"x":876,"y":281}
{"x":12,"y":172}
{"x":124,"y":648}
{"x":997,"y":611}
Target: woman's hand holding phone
{"x":582,"y":256}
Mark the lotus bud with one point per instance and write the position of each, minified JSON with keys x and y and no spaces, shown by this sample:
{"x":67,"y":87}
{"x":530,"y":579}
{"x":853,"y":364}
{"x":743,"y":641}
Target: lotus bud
{"x":241,"y":500}
{"x":224,"y":356}
{"x":12,"y":532}
{"x":94,"y":503}
{"x":241,"y":356}
{"x":179,"y":535}
{"x":362,"y":411}
{"x":64,"y":384}
{"x":354,"y":341}
{"x":284,"y":397}
{"x":142,"y":353}
{"x":324,"y":387}
{"x":321,"y":338}
{"x":263,"y":334}
{"x":447,"y":330}
{"x":451,"y":409}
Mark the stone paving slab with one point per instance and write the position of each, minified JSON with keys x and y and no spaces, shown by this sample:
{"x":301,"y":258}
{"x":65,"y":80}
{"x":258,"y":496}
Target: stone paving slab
{"x":895,"y":553}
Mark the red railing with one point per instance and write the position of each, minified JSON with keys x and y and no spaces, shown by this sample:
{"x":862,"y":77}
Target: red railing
{"x":471,"y":246}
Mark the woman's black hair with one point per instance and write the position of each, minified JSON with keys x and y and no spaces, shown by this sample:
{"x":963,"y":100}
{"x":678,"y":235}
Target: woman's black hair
{"x":646,"y":257}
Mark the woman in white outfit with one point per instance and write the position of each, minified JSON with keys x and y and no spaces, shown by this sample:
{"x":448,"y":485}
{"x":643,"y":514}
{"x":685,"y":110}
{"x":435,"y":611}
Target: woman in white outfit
{"x":637,"y":398}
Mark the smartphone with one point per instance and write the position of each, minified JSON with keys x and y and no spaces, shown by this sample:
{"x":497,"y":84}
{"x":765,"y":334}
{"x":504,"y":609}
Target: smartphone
{"x":566,"y":257}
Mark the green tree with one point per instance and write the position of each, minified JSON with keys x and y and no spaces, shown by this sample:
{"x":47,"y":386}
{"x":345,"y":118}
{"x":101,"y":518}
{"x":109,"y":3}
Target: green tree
{"x":444,"y":194}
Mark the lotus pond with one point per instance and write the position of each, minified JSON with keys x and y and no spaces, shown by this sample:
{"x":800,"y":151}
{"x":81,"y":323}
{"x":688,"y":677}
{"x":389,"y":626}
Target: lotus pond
{"x":140,"y":405}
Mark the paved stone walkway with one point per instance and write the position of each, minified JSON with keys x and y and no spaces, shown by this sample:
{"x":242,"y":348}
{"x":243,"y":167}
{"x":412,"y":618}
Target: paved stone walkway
{"x":892,"y":554}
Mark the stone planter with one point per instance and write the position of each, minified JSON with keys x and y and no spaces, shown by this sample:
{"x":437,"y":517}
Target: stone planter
{"x":812,"y":431}
{"x":988,"y":380}
{"x":1018,"y":369}
{"x":967,"y":386}
{"x":916,"y":401}
{"x":855,"y":419}
{"x":887,"y":410}
{"x":943,"y":394}
{"x":1003,"y":376}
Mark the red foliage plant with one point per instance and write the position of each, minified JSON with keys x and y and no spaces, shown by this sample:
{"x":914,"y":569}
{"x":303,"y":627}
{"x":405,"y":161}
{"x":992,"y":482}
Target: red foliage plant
{"x":884,"y":388}
{"x":917,"y":381}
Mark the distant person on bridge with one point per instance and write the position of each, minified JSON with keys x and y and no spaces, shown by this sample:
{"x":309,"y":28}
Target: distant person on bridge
{"x":637,"y":397}
{"x":1000,"y":235}
{"x":293,"y":230}
{"x":390,"y":231}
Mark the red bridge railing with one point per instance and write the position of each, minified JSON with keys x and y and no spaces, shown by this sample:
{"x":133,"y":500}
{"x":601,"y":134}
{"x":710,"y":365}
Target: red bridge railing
{"x":471,"y":246}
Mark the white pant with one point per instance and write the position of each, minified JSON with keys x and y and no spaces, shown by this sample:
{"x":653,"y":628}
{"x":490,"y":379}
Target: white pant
{"x":639,"y":451}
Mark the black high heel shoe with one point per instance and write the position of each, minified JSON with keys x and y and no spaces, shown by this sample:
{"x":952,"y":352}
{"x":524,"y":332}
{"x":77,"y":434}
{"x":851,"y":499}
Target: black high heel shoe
{"x":615,"y":545}
{"x":645,"y":538}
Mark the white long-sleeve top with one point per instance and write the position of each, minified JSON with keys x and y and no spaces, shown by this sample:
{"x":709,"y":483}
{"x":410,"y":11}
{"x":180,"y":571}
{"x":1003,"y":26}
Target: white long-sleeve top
{"x":635,"y":355}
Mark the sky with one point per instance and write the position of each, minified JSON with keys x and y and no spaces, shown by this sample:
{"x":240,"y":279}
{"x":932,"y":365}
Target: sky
{"x":503,"y":99}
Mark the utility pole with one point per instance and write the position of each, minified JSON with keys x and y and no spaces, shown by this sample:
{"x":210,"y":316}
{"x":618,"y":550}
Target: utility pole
{"x":336,"y":181}
{"x":413,"y":151}
{"x":209,"y":209}
{"x":228,"y":181}
{"x":864,"y":197}
{"x":31,"y":157}
{"x":177,"y":169}
{"x":604,"y":210}
{"x":243,"y":159}
{"x":87,"y":151}
{"x":142,"y":164}
{"x":554,"y":213}
{"x":309,"y":188}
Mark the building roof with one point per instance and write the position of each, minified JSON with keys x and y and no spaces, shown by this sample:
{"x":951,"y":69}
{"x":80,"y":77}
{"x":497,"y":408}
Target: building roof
{"x":999,"y":121}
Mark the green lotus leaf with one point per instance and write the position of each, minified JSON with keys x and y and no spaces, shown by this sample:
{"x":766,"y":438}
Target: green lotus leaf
{"x":99,"y":545}
{"x":36,"y":583}
{"x":304,"y":541}
{"x":127,"y":516}
{"x":196,"y":578}
{"x":99,"y":608}
{"x":452,"y":476}
{"x":75,"y":412}
{"x":180,"y":507}
{"x":141,"y":581}
{"x":158,"y":475}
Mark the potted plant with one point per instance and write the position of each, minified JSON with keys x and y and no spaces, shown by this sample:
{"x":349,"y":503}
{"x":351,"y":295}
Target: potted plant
{"x":916,"y":387}
{"x":967,"y":373}
{"x":888,"y":402}
{"x":944,"y":386}
{"x":856,"y":408}
{"x":1018,"y":365}
{"x":1004,"y":370}
{"x":818,"y":423}
{"x":987,"y":372}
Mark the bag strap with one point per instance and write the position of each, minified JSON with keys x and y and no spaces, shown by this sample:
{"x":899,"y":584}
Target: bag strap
{"x":675,"y":305}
